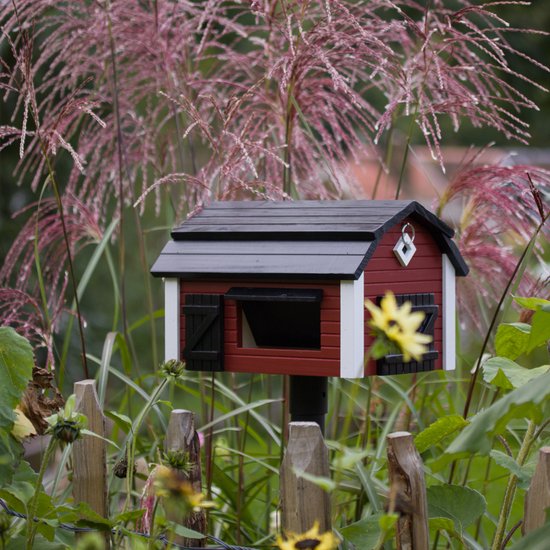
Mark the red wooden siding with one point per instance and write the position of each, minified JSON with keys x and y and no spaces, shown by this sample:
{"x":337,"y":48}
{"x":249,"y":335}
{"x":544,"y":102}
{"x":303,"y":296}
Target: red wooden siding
{"x":423,"y":274}
{"x":322,"y":362}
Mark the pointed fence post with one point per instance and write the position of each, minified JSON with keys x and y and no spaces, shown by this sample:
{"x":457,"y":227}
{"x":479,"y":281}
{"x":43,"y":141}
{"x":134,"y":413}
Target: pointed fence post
{"x":537,"y":498}
{"x":408,"y":492}
{"x":303,"y":502}
{"x":89,"y":453}
{"x":182,"y":437}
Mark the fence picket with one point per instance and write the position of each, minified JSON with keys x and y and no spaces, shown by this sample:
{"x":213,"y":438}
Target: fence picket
{"x":182,"y":437}
{"x":407,"y":492}
{"x":89,"y":453}
{"x":537,"y":498}
{"x":303,"y":502}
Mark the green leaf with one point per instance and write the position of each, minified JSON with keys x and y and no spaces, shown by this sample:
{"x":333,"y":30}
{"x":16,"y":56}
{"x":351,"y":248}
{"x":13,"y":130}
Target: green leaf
{"x":21,"y":488}
{"x":11,"y":452}
{"x":184,"y":531}
{"x":364,"y":533}
{"x":531,"y":303}
{"x":536,"y":540}
{"x":459,"y":504}
{"x":121,"y":420}
{"x":39,"y":543}
{"x":16,"y":363}
{"x":368,"y":485}
{"x":437,"y":431}
{"x":132,"y":515}
{"x":507,"y":374}
{"x":325,"y":483}
{"x":446,"y":524}
{"x":540,"y":329}
{"x":387,"y":522}
{"x":511,"y":339}
{"x":523,"y":473}
{"x":529,"y":401}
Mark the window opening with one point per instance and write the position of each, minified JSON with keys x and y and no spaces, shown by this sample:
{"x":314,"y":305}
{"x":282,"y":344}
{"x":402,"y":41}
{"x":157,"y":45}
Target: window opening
{"x":278,"y":318}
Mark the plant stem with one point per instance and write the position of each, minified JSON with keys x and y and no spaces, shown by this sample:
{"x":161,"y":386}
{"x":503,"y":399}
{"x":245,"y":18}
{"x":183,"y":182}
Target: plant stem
{"x":135,"y":429}
{"x":69,"y":259}
{"x":122,"y":251}
{"x":33,"y":503}
{"x":495,"y":315}
{"x":511,"y":487}
{"x":387,"y":161}
{"x":406,"y":154}
{"x":287,"y":171}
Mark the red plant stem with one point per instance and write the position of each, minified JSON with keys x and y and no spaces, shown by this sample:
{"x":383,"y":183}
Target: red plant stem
{"x":70,"y":262}
{"x":122,"y":251}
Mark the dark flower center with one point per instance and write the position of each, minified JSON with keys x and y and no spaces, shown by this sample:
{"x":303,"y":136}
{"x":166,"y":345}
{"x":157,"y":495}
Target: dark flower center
{"x":307,"y":543}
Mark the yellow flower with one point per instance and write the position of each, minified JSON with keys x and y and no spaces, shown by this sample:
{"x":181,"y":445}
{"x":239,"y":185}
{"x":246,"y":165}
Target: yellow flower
{"x":398,"y":326}
{"x":22,"y":427}
{"x":171,"y":484}
{"x":310,"y":540}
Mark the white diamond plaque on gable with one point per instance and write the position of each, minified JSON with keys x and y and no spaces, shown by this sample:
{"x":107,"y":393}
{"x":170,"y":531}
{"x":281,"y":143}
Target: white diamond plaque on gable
{"x":404,"y":249}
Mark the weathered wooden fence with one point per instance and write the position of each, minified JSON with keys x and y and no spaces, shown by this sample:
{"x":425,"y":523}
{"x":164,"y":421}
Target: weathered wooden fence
{"x":302,"y":501}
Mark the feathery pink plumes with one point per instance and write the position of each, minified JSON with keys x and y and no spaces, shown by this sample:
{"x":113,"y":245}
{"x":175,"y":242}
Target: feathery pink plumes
{"x":500,"y":215}
{"x":220,"y":99}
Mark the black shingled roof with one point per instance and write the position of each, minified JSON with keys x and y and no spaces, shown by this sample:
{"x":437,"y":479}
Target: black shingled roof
{"x":291,"y":240}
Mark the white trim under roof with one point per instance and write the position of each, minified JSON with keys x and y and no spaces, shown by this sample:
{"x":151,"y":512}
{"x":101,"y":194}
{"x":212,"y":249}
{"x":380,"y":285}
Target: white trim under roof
{"x":171,"y":319}
{"x":352,"y":328}
{"x":449,"y":314}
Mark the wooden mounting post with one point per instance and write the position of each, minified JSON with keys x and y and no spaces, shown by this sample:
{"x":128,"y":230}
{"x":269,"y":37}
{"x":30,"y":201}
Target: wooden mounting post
{"x":537,"y":498}
{"x":89,"y":453}
{"x":408,"y":492}
{"x":302,"y":502}
{"x":182,"y":437}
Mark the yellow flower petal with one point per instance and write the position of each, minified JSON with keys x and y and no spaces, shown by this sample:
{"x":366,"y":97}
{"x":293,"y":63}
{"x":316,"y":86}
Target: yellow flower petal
{"x":318,"y":541}
{"x":399,"y":326}
{"x":22,"y":427}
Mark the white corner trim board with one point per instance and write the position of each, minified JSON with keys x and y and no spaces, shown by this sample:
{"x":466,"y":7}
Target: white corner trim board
{"x":449,"y":314}
{"x":352,"y":328}
{"x":171,"y":319}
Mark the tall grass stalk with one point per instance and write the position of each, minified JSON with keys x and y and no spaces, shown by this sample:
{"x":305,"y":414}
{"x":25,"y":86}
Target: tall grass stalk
{"x":508,"y":500}
{"x":32,"y":506}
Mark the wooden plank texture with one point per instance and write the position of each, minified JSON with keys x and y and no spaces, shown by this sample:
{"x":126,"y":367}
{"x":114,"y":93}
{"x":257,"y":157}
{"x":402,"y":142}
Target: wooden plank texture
{"x":366,"y":217}
{"x":89,"y":453}
{"x":266,"y":265}
{"x":537,"y":498}
{"x":423,"y":275}
{"x":407,"y":492}
{"x":182,"y":437}
{"x":302,"y":502}
{"x":318,"y":248}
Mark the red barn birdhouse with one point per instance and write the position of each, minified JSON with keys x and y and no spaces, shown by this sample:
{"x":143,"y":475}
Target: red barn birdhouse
{"x":279,"y":287}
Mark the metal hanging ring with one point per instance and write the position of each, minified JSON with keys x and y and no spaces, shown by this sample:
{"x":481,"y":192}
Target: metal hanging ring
{"x":404,"y":232}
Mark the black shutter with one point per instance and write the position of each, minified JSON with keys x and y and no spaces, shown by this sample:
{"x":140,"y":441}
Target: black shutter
{"x":203,"y":332}
{"x":394,"y":364}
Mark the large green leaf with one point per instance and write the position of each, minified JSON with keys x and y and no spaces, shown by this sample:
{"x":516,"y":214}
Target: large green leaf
{"x":540,"y":328}
{"x":529,"y":401}
{"x":448,"y":525}
{"x":16,"y":363}
{"x":460,"y":504}
{"x":11,"y":452}
{"x":531,"y":303}
{"x":363,"y":534}
{"x":523,"y":473}
{"x":512,"y":339}
{"x":437,"y":431}
{"x":507,"y":374}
